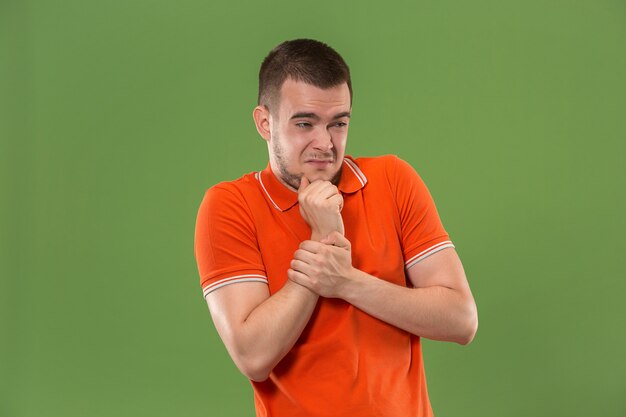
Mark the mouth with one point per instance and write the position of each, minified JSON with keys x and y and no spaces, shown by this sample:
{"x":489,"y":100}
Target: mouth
{"x":326,"y":157}
{"x":319,"y":163}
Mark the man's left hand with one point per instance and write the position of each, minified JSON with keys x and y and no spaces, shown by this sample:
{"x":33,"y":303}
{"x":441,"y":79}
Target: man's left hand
{"x":323,"y":267}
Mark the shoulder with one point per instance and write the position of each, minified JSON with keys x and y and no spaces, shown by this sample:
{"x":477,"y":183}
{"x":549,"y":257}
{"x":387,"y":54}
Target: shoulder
{"x":230,"y":197}
{"x":238,"y":189}
{"x":373,"y":162}
{"x":390,"y":167}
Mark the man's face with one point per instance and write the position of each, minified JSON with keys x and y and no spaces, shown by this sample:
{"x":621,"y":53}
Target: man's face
{"x":308,"y":132}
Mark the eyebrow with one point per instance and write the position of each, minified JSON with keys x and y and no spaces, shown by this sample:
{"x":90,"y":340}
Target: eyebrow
{"x":303,"y":115}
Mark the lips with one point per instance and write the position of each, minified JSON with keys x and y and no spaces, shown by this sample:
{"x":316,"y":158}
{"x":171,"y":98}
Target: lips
{"x":320,"y":161}
{"x":320,"y":158}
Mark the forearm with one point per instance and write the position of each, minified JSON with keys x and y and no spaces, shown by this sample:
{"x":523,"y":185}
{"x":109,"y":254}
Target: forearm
{"x":271,"y":329}
{"x":436,"y":312}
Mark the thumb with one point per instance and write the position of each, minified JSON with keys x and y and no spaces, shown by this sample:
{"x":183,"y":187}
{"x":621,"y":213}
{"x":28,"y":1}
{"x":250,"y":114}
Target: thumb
{"x":304,"y":182}
{"x":336,"y":239}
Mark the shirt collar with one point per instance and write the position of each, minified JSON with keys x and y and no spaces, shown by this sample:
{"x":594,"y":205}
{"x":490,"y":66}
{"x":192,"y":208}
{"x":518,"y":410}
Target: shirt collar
{"x":282,"y":198}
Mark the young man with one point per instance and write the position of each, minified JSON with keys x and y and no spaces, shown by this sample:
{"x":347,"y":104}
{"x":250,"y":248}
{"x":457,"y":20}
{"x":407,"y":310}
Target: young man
{"x":322,"y":271}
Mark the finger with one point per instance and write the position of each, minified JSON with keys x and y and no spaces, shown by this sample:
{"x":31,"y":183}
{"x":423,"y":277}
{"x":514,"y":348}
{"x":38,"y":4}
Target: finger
{"x":322,"y":188}
{"x":299,"y":278}
{"x":337,"y":200}
{"x":325,"y":189}
{"x":311,"y":246}
{"x":304,"y":256}
{"x":301,"y":266}
{"x":304,"y":183}
{"x":308,"y":191}
{"x":336,"y":239}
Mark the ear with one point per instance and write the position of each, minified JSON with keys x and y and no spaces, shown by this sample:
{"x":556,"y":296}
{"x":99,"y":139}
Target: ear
{"x":261,"y":117}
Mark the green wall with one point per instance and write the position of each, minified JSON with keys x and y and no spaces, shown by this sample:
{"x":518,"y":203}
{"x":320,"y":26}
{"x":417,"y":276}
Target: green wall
{"x":115,"y":116}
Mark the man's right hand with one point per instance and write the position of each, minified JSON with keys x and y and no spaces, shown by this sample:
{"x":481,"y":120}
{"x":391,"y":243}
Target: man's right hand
{"x":320,"y":206}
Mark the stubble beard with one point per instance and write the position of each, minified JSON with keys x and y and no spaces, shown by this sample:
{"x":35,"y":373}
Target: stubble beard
{"x":294,"y":179}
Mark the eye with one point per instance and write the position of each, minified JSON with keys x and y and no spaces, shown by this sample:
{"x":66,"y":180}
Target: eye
{"x":341,"y":124}
{"x":303,"y":125}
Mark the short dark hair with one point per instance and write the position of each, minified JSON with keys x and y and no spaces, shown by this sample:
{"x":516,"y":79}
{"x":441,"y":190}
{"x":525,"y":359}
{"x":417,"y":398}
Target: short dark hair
{"x":307,"y":60}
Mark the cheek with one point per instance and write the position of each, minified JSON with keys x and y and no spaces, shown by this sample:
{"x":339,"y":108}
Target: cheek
{"x":296,"y":142}
{"x":340,"y":138}
{"x":292,"y":149}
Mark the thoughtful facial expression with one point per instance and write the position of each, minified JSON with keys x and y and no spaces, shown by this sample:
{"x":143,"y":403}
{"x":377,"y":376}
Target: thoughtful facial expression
{"x":308,"y":132}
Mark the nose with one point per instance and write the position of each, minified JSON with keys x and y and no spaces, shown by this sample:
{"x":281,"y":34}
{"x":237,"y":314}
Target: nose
{"x":323,"y":140}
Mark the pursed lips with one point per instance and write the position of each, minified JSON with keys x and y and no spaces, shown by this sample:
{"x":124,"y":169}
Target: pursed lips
{"x":320,"y":159}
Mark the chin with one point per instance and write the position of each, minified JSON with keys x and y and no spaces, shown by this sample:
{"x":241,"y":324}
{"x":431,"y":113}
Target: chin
{"x":333,"y":177}
{"x":312,"y":176}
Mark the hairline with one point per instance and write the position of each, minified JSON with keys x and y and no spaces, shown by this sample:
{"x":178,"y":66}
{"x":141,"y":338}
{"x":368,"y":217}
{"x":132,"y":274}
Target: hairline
{"x":274,"y":99}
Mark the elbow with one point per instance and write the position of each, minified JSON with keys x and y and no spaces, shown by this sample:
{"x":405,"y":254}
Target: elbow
{"x":467,"y":336}
{"x":469,"y":327}
{"x":253,"y":368}
{"x":254,"y":362}
{"x":256,"y":375}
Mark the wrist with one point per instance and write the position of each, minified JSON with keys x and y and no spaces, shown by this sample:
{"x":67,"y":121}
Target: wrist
{"x":319,"y":235}
{"x":351,"y":284}
{"x":296,"y":288}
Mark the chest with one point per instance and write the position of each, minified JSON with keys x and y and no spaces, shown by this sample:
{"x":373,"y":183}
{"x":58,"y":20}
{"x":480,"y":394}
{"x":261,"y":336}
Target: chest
{"x":371,"y":226}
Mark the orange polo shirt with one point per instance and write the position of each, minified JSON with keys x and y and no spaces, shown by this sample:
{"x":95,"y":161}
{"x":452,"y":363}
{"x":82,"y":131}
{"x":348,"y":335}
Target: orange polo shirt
{"x":346,"y":362}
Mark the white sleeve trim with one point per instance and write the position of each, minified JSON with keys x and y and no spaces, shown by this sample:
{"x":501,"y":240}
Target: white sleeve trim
{"x":232,"y":280}
{"x":426,"y":253}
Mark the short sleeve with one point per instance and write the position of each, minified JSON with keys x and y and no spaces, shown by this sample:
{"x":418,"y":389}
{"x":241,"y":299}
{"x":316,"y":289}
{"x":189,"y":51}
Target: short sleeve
{"x":225,"y":246}
{"x":422,"y":232}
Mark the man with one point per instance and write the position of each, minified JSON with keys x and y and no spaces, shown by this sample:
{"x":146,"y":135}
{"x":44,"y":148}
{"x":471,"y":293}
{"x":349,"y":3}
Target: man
{"x":322,"y":272}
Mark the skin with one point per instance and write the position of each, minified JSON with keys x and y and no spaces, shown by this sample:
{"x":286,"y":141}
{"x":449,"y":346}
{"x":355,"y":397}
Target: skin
{"x":306,"y":138}
{"x":306,"y":142}
{"x":308,"y":132}
{"x":439,"y":307}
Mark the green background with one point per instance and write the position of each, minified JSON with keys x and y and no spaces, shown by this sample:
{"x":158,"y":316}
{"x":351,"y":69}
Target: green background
{"x":115,"y":116}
